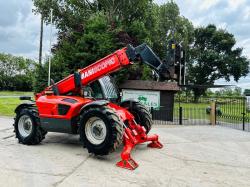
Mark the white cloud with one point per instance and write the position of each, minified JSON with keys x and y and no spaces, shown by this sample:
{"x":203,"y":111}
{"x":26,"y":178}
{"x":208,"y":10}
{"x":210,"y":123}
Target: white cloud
{"x":208,"y":4}
{"x":245,"y":44}
{"x":246,"y":13}
{"x":20,"y":29}
{"x":235,"y":4}
{"x":242,"y":83}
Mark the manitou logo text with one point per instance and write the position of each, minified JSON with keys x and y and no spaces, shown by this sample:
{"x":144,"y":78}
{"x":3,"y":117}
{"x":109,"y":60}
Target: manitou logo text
{"x":98,"y":67}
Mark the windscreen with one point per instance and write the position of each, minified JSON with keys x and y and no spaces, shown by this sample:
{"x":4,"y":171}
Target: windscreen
{"x":109,"y":88}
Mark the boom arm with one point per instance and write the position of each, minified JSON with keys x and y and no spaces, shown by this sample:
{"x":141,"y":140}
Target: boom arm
{"x":107,"y":65}
{"x":102,"y":67}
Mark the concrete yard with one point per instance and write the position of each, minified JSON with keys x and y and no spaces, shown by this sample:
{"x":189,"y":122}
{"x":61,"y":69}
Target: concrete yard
{"x":192,"y":156}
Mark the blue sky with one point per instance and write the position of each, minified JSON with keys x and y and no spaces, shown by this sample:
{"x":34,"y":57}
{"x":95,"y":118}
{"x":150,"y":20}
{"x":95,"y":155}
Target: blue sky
{"x":19,"y":27}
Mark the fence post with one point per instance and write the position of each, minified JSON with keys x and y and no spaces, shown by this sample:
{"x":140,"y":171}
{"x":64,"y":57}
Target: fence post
{"x":180,"y":115}
{"x":215,"y":111}
{"x":243,"y":113}
{"x":212,"y":113}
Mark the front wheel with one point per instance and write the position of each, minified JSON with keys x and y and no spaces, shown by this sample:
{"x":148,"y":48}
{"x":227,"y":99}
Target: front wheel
{"x":27,"y":128}
{"x":101,"y":130}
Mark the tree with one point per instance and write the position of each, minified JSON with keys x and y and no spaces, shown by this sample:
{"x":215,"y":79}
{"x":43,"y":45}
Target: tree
{"x":170,"y":21}
{"x":123,"y":10}
{"x":96,"y":42}
{"x":213,"y":56}
{"x":247,"y":92}
{"x":230,"y":92}
{"x":90,"y":30}
{"x":15,"y":73}
{"x":68,"y":15}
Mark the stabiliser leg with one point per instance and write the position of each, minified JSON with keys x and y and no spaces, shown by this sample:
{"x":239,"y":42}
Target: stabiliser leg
{"x":130,"y":139}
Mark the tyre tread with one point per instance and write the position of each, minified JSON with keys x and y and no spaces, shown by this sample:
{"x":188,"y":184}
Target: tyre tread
{"x":38,"y":134}
{"x":117,"y":130}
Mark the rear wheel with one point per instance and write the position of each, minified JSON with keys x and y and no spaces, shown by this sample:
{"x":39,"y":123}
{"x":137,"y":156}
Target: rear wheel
{"x":141,"y":114}
{"x":27,"y":127}
{"x":101,"y":130}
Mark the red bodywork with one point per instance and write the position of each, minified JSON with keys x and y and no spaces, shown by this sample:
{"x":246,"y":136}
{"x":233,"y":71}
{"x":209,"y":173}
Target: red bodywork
{"x":48,"y":107}
{"x":48,"y":104}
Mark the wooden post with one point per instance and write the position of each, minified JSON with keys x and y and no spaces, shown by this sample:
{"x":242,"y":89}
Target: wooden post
{"x":212,"y":113}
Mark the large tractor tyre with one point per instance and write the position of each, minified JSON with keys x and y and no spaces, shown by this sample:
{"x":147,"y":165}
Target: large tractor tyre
{"x":101,"y":130}
{"x":141,"y":114}
{"x":27,"y":127}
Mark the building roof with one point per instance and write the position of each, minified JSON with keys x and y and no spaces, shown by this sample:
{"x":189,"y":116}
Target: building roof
{"x":149,"y":85}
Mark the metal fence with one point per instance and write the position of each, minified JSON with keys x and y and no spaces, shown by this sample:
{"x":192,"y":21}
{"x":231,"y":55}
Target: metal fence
{"x":165,"y":116}
{"x":233,"y":112}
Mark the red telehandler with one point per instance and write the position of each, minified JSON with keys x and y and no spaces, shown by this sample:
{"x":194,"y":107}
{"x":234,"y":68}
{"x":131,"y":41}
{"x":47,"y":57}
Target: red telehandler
{"x":81,"y":104}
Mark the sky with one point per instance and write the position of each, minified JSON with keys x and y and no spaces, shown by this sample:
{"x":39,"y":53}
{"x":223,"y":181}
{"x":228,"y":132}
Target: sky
{"x":19,"y":27}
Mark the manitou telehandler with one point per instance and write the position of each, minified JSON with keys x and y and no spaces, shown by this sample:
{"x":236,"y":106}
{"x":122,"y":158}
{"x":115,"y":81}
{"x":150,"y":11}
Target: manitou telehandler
{"x":82,"y":104}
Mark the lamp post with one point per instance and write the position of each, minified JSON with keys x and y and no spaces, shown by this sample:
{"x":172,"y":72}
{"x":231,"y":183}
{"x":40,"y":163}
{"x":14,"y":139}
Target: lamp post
{"x":51,"y":14}
{"x":41,"y":41}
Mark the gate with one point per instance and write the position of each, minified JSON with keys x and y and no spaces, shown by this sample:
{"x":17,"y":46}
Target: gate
{"x":185,"y":112}
{"x":233,"y":112}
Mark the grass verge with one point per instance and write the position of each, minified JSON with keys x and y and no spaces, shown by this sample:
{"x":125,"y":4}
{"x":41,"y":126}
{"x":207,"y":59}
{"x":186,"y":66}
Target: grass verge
{"x":8,"y":104}
{"x":15,"y":93}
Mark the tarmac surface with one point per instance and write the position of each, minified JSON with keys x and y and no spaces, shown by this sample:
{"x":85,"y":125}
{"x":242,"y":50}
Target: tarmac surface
{"x":192,"y":156}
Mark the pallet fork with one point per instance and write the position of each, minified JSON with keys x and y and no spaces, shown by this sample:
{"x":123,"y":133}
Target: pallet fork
{"x":132,"y":138}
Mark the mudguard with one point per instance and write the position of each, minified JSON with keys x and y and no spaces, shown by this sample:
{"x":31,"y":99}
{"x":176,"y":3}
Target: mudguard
{"x":128,"y":101}
{"x":23,"y":105}
{"x":94,"y":104}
